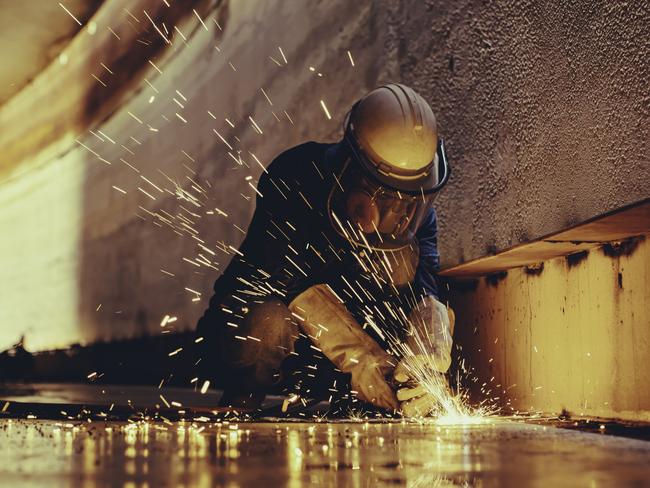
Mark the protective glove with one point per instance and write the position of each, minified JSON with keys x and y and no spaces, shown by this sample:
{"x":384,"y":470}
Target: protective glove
{"x":427,"y":354}
{"x":419,"y":401}
{"x":324,"y":318}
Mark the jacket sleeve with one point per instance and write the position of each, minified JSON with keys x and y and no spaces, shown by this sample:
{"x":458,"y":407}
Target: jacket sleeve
{"x":429,"y":262}
{"x":261,"y":267}
{"x":258,"y":270}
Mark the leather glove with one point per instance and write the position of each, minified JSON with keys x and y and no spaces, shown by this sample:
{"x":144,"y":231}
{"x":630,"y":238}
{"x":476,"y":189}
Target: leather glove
{"x":324,"y":318}
{"x":427,"y":354}
{"x":419,"y":401}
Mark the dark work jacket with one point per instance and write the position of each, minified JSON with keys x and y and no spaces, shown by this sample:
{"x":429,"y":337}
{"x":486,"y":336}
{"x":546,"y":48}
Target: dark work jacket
{"x":291,"y":245}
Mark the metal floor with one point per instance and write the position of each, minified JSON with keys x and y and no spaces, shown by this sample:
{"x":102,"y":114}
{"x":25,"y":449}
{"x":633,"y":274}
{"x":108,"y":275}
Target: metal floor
{"x":343,"y":454}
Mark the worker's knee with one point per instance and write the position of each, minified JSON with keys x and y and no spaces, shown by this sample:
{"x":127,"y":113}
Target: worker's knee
{"x":269,"y":328}
{"x":256,"y":340}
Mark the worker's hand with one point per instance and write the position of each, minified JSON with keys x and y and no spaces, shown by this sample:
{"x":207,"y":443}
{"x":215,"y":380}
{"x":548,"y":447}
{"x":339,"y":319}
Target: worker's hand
{"x":411,"y":374}
{"x":370,"y":384}
{"x":419,"y":366}
{"x":333,"y":329}
{"x":429,"y":340}
{"x":417,"y":402}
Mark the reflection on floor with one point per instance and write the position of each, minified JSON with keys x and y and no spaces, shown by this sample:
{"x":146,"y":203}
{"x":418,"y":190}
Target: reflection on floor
{"x":356,"y":454}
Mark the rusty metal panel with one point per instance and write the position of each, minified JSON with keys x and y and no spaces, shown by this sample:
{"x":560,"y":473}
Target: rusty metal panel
{"x":573,"y":335}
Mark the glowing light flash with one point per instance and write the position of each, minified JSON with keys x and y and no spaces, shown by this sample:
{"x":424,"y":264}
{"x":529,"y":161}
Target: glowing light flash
{"x":327,"y":112}
{"x":70,"y":13}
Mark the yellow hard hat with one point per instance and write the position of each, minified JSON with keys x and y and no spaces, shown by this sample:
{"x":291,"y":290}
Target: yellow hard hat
{"x":393,"y":133}
{"x":397,"y":164}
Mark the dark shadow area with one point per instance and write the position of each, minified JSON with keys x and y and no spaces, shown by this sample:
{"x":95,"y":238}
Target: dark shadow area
{"x":165,"y":359}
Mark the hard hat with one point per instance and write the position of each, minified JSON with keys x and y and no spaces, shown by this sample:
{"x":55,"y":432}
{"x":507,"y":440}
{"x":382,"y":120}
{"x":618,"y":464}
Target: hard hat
{"x":393,"y":132}
{"x":397,"y":164}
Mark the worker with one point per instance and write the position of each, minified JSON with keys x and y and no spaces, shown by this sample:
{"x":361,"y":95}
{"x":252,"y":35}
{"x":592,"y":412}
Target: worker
{"x":335,"y":279}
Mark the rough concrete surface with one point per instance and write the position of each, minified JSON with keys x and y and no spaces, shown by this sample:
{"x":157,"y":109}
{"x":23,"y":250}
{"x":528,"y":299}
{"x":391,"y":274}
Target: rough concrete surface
{"x":543,"y":107}
{"x":621,"y":227}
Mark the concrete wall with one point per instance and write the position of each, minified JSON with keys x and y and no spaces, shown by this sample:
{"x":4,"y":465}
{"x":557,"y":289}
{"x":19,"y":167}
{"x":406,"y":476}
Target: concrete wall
{"x":543,"y":107}
{"x":573,"y":335}
{"x":91,"y":255}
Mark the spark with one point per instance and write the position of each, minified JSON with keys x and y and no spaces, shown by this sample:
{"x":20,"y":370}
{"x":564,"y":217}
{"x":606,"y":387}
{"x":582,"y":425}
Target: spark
{"x":127,"y":150}
{"x":297,"y":267}
{"x":113,"y":32}
{"x":70,"y":14}
{"x":257,"y":127}
{"x":156,"y":27}
{"x":109,"y":139}
{"x":119,"y":189}
{"x":256,"y":190}
{"x":129,"y":165}
{"x":106,"y":68}
{"x":224,"y":141}
{"x":93,"y":152}
{"x":152,"y":87}
{"x":146,"y":193}
{"x":267,"y":97}
{"x":204,"y":388}
{"x":306,"y":201}
{"x":327,"y":113}
{"x":284,"y":58}
{"x":164,"y":401}
{"x":134,"y":117}
{"x":132,"y":16}
{"x":200,"y":19}
{"x":180,"y":33}
{"x":93,"y":75}
{"x":188,"y":156}
{"x":451,"y":407}
{"x":96,"y":135}
{"x":168,"y":319}
{"x":351,"y":60}
{"x":258,"y":162}
{"x":155,"y":67}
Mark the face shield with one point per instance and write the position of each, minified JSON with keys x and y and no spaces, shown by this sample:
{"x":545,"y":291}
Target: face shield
{"x":370,"y":211}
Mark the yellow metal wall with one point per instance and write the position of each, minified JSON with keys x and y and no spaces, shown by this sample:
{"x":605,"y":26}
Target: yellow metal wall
{"x":574,"y":336}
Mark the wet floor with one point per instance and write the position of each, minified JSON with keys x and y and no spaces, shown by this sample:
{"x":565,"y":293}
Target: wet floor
{"x":354,"y":454}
